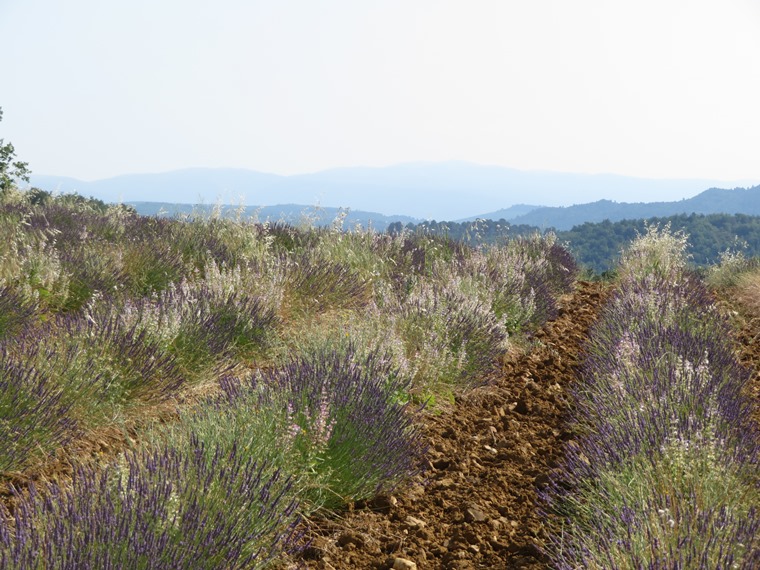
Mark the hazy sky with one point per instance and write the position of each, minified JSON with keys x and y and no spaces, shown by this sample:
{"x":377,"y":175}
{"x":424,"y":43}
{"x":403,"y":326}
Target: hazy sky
{"x":652,"y":88}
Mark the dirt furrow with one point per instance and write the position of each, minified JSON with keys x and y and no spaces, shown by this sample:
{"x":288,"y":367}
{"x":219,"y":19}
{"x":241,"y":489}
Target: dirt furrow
{"x":475,"y":505}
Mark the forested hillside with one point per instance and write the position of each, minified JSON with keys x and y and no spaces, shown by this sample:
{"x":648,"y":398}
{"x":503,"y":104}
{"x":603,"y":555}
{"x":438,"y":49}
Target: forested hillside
{"x":597,"y":245}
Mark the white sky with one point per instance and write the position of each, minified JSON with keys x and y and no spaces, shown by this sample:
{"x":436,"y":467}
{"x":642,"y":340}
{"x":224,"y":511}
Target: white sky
{"x":652,"y":88}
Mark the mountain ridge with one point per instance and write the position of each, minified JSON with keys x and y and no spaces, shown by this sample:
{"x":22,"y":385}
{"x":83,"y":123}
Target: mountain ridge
{"x":710,"y":201}
{"x":451,"y":190}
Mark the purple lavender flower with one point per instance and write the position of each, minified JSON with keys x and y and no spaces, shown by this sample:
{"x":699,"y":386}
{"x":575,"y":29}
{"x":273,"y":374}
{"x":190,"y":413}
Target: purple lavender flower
{"x":664,"y":443}
{"x":164,"y":509}
{"x":34,"y":420}
{"x":351,"y":406}
{"x":16,"y":313}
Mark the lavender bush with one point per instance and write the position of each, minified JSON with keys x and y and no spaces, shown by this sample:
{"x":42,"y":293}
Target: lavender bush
{"x":664,"y":472}
{"x":451,"y":307}
{"x":100,"y":368}
{"x":204,"y":323}
{"x":89,"y":247}
{"x":415,"y":257}
{"x":332,"y":418}
{"x":16,"y":313}
{"x":29,"y":261}
{"x":346,"y":421}
{"x":195,"y":508}
{"x":314,"y":283}
{"x":34,"y":420}
{"x":521,"y":280}
{"x":149,"y":260}
{"x":515,"y":294}
{"x":285,"y":239}
{"x":450,"y":339}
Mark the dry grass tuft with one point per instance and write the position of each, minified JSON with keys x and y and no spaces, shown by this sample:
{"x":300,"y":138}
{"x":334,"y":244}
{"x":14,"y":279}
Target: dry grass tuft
{"x":747,"y":293}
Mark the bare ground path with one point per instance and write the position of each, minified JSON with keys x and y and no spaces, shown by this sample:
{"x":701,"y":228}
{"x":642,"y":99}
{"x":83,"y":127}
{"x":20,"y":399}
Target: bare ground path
{"x":475,"y":506}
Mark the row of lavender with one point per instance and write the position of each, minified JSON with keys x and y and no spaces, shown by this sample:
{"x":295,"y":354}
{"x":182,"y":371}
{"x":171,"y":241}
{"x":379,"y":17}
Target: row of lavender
{"x":284,"y":369}
{"x":664,"y":473}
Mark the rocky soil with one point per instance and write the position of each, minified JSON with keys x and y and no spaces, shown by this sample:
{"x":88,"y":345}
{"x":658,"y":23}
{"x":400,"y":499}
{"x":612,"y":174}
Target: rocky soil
{"x":475,"y":505}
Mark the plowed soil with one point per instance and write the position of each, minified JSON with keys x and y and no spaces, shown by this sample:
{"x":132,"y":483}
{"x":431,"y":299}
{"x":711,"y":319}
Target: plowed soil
{"x":475,"y":505}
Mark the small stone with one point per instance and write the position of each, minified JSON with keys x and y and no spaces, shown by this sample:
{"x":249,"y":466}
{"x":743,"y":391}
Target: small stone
{"x":446,"y":483}
{"x":473,"y":513}
{"x":471,"y":537}
{"x":383,"y":503}
{"x":441,"y":464}
{"x":439,"y":551}
{"x":414,"y":523}
{"x":498,"y":545}
{"x":474,"y":548}
{"x":350,"y":539}
{"x":403,"y":564}
{"x":424,"y":534}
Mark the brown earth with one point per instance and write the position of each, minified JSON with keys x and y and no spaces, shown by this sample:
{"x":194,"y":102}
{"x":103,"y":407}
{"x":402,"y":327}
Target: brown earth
{"x":475,"y":505}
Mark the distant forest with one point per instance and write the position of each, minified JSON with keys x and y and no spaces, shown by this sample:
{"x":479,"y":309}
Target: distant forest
{"x":597,"y":246}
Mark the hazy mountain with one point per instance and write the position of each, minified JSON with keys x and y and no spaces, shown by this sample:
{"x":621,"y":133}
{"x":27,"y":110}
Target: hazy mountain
{"x":712,"y":201}
{"x":293,"y":214}
{"x":189,"y":186}
{"x":430,"y":190}
{"x":504,"y":214}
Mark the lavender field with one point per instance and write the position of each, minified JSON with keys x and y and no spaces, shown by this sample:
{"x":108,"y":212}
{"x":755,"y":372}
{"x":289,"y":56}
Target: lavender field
{"x":186,"y":393}
{"x":198,"y":392}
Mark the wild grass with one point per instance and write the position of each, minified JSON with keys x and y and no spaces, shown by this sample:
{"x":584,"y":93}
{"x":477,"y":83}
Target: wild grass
{"x":746,"y":291}
{"x":732,"y":266}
